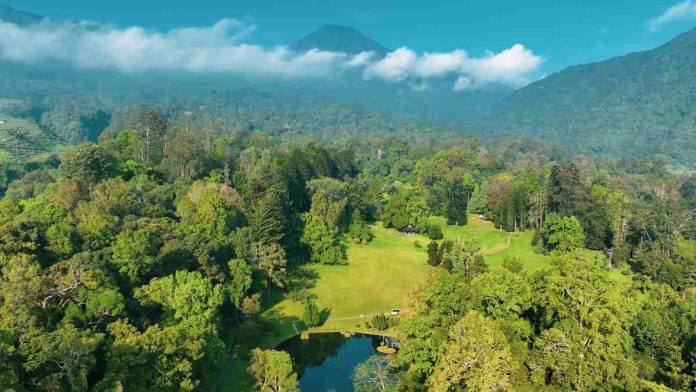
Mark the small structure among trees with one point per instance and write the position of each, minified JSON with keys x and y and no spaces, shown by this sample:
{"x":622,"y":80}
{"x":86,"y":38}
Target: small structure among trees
{"x":408,"y":230}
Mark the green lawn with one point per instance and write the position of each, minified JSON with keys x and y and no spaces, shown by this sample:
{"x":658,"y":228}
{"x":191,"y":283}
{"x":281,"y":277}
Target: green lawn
{"x":497,"y":244}
{"x":379,"y":277}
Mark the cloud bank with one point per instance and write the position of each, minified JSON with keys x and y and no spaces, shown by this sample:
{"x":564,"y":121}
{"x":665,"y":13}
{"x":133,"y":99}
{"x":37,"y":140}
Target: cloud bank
{"x":511,"y":66}
{"x":681,"y":11}
{"x":221,"y":48}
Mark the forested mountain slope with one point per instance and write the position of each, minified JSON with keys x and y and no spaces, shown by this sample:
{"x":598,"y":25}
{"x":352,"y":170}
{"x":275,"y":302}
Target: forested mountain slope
{"x":641,"y":102}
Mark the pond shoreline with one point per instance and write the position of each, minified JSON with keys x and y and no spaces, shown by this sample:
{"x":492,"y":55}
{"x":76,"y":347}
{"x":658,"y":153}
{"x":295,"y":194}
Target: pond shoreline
{"x":327,"y":360}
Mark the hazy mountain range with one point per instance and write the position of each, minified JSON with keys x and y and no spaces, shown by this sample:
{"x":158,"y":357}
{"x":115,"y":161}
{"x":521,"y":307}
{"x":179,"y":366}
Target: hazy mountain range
{"x":641,"y":103}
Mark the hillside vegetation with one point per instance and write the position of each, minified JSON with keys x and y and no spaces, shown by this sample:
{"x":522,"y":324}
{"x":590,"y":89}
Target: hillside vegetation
{"x":635,"y":104}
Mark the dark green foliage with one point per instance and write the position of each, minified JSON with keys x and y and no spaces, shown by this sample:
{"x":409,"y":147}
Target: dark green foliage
{"x":568,"y":195}
{"x":688,"y":190}
{"x":87,"y":162}
{"x":434,"y":257}
{"x":151,"y":126}
{"x":565,"y":189}
{"x":457,"y":199}
{"x":536,"y":237}
{"x":30,"y":185}
{"x":435,"y":232}
{"x":321,"y":231}
{"x":403,"y":211}
{"x":562,"y":234}
{"x":379,"y":321}
{"x":626,"y":106}
{"x":358,"y":231}
{"x":311,"y":316}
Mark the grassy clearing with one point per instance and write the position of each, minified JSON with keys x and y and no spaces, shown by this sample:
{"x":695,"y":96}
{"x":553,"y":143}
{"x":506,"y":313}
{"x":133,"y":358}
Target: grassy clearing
{"x":379,"y":277}
{"x":497,"y":244}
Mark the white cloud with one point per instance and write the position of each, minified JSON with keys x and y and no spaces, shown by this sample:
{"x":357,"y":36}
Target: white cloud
{"x":395,"y":67}
{"x":361,"y":59}
{"x":439,"y":64}
{"x":220,"y":48}
{"x":511,"y":66}
{"x":133,"y":49}
{"x":681,"y":11}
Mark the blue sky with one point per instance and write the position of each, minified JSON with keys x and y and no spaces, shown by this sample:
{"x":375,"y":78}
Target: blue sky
{"x":561,"y":32}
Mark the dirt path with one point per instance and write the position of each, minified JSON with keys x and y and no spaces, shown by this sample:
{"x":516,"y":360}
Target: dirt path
{"x":495,"y":249}
{"x":402,"y":312}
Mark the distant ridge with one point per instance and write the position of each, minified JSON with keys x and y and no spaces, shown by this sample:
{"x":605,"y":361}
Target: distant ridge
{"x":20,"y":18}
{"x":637,"y":103}
{"x":337,"y":38}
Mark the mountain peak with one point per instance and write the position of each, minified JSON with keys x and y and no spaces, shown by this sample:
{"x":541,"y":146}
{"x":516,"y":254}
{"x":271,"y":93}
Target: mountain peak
{"x":20,"y":18}
{"x":339,"y":38}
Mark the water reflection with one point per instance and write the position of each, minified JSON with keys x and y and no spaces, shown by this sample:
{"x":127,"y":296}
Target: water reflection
{"x":325,"y":362}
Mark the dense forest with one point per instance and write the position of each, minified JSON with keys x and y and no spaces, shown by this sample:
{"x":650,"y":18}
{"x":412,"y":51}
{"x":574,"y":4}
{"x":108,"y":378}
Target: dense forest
{"x":624,"y":105}
{"x":141,"y":261}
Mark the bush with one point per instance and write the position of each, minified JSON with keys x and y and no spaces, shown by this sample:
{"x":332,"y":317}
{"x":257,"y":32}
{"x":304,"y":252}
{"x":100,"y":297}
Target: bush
{"x":435,"y":232}
{"x":562,"y":234}
{"x":380,"y":322}
{"x":512,"y":264}
{"x":311,"y":315}
{"x":249,"y":334}
{"x":434,"y":254}
{"x":394,"y":322}
{"x":536,"y":237}
{"x":358,"y":231}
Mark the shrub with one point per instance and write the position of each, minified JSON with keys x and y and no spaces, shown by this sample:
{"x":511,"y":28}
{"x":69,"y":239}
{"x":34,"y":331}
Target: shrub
{"x":435,"y":232}
{"x":537,"y":237}
{"x":311,"y":315}
{"x":434,"y":254}
{"x":562,"y":234}
{"x":512,"y":264}
{"x":358,"y":231}
{"x":249,"y":333}
{"x":380,"y":322}
{"x":393,"y":322}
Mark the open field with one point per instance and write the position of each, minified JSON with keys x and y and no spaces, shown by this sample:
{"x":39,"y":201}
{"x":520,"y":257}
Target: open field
{"x":379,"y":277}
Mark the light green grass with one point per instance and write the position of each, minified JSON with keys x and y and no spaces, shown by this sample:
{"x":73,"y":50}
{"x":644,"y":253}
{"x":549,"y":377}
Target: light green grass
{"x":497,"y":244}
{"x":379,"y":277}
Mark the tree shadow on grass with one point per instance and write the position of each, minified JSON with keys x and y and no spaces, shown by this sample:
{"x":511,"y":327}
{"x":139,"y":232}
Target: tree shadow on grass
{"x":324,"y":315}
{"x":278,"y":327}
{"x":300,"y":282}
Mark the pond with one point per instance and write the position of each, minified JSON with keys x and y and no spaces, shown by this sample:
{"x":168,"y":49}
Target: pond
{"x":325,"y":361}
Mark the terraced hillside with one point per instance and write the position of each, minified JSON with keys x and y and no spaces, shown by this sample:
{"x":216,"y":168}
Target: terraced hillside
{"x":22,"y":140}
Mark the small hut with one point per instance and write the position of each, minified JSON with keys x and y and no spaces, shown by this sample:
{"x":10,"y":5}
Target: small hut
{"x":408,"y":230}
